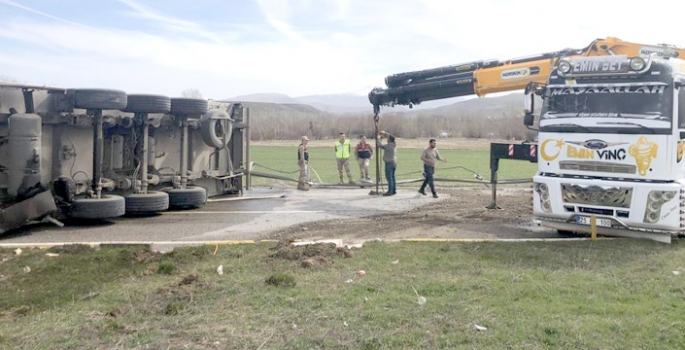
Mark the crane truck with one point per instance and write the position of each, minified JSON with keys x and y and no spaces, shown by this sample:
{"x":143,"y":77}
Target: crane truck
{"x":97,"y":154}
{"x":610,"y":134}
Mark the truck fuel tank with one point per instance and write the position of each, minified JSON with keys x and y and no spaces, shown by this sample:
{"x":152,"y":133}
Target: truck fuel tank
{"x":24,"y":145}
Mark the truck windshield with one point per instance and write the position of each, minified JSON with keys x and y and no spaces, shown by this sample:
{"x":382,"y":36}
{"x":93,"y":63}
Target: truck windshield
{"x":597,"y":107}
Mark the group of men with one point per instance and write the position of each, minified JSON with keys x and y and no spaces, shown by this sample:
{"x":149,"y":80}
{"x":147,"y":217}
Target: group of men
{"x":363,"y":154}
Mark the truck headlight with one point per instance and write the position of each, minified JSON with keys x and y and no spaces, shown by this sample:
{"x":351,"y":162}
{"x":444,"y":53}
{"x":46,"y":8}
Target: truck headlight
{"x":656,"y":200}
{"x":564,"y":66}
{"x":668,"y":195}
{"x":543,"y":192}
{"x":637,"y":63}
{"x":652,"y":218}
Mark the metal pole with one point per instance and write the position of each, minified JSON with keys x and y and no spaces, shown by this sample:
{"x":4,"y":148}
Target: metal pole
{"x":376,"y":119}
{"x":248,"y":135}
{"x":98,"y":139}
{"x":144,"y":153}
{"x":184,"y":151}
{"x":494,"y":165}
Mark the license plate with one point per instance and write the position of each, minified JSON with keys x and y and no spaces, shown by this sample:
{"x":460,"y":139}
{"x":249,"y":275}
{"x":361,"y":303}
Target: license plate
{"x":585,"y":220}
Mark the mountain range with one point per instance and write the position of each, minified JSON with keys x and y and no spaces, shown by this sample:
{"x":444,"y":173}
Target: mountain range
{"x":336,"y":103}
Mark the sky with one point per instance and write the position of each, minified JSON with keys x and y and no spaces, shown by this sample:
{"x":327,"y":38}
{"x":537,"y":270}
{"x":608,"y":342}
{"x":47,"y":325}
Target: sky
{"x":226,"y":48}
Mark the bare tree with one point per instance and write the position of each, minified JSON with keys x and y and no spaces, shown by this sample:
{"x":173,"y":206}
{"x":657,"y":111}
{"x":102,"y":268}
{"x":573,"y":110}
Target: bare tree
{"x":192,"y":93}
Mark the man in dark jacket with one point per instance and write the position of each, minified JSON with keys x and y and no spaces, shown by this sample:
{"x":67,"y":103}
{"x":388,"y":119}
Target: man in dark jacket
{"x":363,"y":154}
{"x":390,"y":160}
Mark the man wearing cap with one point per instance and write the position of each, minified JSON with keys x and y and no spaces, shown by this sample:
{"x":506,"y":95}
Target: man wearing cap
{"x":363,"y":155}
{"x":302,"y":161}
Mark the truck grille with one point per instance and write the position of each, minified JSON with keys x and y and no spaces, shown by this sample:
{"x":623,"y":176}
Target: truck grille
{"x":597,"y":195}
{"x":598,"y":167}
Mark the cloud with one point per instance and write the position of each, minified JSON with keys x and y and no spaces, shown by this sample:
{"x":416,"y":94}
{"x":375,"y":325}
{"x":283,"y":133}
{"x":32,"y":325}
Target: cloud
{"x":113,"y":54}
{"x":169,"y":22}
{"x":303,"y":47}
{"x":277,"y":14}
{"x":28,"y":9}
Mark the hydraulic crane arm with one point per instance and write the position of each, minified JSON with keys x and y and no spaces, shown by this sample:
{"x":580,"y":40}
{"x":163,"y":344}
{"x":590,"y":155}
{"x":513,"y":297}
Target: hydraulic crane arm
{"x":484,"y":77}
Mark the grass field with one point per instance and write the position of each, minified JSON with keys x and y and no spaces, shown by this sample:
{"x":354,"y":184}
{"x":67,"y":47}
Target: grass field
{"x":283,"y":158}
{"x":568,"y":295}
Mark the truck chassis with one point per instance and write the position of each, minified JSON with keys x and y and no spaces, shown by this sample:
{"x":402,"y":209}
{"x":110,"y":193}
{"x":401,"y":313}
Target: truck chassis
{"x":93,"y":154}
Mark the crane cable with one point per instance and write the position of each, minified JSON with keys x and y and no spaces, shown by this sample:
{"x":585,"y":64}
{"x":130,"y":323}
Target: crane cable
{"x":376,"y":120}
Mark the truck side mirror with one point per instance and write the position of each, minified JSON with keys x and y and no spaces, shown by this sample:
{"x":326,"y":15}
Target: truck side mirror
{"x":529,"y":106}
{"x":529,"y":99}
{"x":529,"y":119}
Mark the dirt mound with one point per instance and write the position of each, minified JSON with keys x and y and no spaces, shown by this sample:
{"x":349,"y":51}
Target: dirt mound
{"x":176,"y":297}
{"x":309,"y":255}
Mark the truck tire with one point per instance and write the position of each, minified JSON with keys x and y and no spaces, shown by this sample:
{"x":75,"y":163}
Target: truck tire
{"x":148,"y":104}
{"x":107,"y":207}
{"x":212,"y":130}
{"x":189,"y":106}
{"x":186,"y":198}
{"x":100,"y":99}
{"x":146,"y":203}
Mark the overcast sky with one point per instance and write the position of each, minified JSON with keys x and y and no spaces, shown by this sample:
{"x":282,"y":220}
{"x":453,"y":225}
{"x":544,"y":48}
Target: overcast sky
{"x":226,"y":48}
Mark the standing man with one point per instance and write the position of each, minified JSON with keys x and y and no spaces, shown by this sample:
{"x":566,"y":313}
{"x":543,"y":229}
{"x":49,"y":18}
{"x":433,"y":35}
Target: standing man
{"x":429,"y":156}
{"x":363,"y":155}
{"x":342,"y":156}
{"x":390,"y":160}
{"x":303,"y":162}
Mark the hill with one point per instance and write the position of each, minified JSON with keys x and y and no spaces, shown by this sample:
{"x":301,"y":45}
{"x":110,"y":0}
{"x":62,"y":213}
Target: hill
{"x":344,"y":103}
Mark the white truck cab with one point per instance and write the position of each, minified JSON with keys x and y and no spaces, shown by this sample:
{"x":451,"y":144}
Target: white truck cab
{"x":611,"y":141}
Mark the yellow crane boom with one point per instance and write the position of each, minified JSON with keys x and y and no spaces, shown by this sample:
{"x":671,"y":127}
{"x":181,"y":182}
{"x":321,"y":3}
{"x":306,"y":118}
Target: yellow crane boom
{"x":485,"y":77}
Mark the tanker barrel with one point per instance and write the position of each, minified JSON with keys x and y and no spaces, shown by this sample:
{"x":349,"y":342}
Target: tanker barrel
{"x":417,"y":93}
{"x":401,"y":79}
{"x":24,"y":144}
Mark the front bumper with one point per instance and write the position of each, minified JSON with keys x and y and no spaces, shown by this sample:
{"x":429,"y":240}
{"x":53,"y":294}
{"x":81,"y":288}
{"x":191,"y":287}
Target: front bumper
{"x":621,"y":207}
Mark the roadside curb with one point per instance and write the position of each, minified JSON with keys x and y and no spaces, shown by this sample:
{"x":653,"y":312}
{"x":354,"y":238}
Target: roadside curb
{"x":166,"y":246}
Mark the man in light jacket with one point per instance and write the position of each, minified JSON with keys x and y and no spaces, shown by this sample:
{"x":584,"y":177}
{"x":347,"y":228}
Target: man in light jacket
{"x":429,"y":156}
{"x":342,"y":157}
{"x":303,"y":163}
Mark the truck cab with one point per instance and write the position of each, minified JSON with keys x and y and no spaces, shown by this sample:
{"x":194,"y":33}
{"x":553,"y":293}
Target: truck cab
{"x":611,"y":141}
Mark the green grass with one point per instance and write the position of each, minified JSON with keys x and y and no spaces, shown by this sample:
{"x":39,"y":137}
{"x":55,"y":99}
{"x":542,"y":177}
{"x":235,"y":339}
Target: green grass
{"x":409,"y":165}
{"x":617,"y":294}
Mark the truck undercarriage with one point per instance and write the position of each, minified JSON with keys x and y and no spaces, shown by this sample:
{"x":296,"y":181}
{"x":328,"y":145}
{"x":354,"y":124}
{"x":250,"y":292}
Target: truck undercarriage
{"x":91,"y":154}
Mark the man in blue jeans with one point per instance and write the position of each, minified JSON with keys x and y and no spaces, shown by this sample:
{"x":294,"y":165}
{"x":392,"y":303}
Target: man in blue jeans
{"x":429,"y":156}
{"x":390,"y":160}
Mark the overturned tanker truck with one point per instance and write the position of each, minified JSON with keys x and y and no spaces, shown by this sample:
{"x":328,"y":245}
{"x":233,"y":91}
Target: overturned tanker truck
{"x":92,"y":154}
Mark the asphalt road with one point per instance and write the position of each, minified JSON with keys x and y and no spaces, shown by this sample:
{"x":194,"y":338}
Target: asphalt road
{"x":250,"y":216}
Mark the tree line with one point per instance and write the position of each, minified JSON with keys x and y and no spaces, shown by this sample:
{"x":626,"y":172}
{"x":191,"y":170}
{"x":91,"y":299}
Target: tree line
{"x":273,"y":123}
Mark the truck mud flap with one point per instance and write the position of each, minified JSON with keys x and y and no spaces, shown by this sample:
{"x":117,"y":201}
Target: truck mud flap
{"x":27,"y":210}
